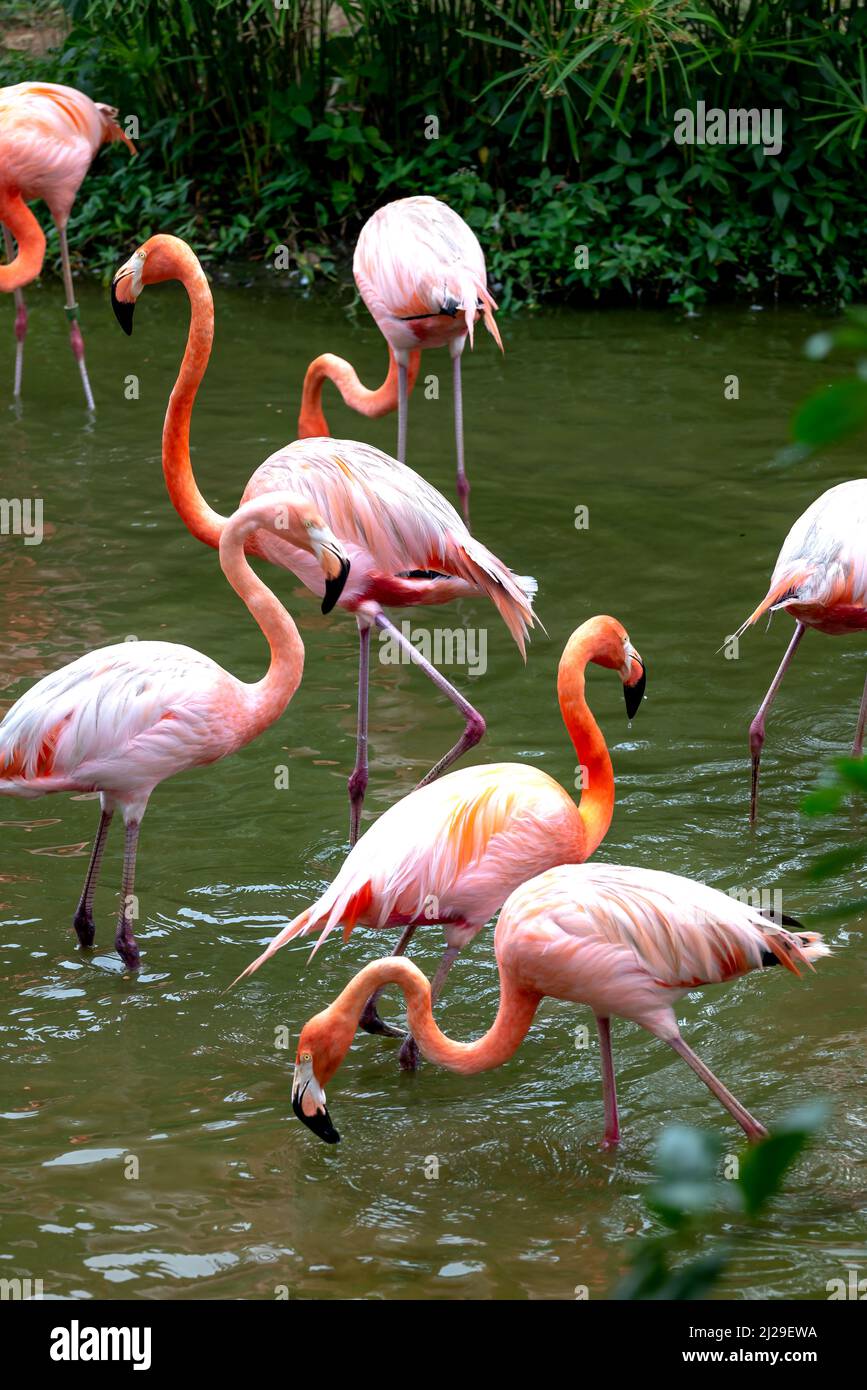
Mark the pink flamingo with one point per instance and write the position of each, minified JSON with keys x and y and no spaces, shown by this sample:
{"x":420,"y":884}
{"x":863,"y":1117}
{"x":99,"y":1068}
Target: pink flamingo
{"x":49,"y":136}
{"x":421,"y":272}
{"x":407,"y":544}
{"x":820,"y":578}
{"x":122,"y":719}
{"x":453,"y":851}
{"x":625,"y":941}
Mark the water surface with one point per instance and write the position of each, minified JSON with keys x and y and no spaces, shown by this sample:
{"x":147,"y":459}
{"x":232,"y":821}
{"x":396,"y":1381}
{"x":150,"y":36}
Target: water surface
{"x":622,"y":413}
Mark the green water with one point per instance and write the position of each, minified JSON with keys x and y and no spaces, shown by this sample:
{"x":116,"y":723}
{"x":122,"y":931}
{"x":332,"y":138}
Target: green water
{"x":622,"y":413}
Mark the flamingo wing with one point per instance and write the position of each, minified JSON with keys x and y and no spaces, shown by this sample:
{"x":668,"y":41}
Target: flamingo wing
{"x":416,"y":258}
{"x":49,"y":135}
{"x":448,"y":852}
{"x":399,"y":519}
{"x":89,"y":716}
{"x":575,"y":926}
{"x":823,"y":560}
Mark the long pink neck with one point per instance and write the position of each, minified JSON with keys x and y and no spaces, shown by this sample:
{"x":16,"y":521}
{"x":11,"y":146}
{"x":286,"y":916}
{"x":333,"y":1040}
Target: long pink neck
{"x":268,"y":697}
{"x":312,"y":423}
{"x":30,"y":239}
{"x":597,"y":775}
{"x":502,"y":1040}
{"x":206,"y":524}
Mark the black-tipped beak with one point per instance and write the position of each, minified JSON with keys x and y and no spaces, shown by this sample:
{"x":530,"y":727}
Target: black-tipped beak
{"x":634,"y":694}
{"x":319,"y":1122}
{"x":333,"y":590}
{"x":123,"y":312}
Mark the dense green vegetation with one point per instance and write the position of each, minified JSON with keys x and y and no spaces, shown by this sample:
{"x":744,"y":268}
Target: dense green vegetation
{"x":267,"y":122}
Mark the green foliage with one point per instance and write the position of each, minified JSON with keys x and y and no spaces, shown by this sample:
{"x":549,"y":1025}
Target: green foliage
{"x":263,"y":125}
{"x":689,"y":1195}
{"x":836,"y":411}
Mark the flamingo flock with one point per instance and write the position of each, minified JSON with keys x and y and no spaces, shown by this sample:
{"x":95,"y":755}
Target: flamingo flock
{"x":364,"y":534}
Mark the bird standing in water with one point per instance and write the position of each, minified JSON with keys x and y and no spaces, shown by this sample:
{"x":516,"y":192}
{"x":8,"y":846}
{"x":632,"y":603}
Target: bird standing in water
{"x":421,"y":272}
{"x":122,"y":719}
{"x":820,"y":579}
{"x":452,"y":852}
{"x":627,"y":942}
{"x":49,"y":135}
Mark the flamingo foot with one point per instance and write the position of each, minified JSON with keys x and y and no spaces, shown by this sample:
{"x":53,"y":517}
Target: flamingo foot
{"x":85,"y":927}
{"x":409,"y":1055}
{"x":127,"y":949}
{"x":757,"y":739}
{"x":371,"y":1022}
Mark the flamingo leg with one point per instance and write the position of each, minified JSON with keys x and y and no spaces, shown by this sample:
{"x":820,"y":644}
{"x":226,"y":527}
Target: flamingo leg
{"x":83,"y":922}
{"x":757,"y":728}
{"x":370,"y":1020}
{"x":609,"y":1086}
{"x":358,"y":778}
{"x":402,"y":408}
{"x":462,"y":484}
{"x":474,"y":726}
{"x":125,"y":942}
{"x":408,"y":1057}
{"x":20,"y":319}
{"x":858,"y":745}
{"x":76,"y":342}
{"x":748,"y":1123}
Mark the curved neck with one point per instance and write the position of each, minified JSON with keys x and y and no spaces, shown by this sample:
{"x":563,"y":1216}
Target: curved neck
{"x":206,"y":524}
{"x":596,"y":806}
{"x":269,"y":696}
{"x":515,"y":1014}
{"x":312,"y":422}
{"x":30,"y":239}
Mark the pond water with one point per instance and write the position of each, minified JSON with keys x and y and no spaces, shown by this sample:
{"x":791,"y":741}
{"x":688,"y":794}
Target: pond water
{"x":622,"y":413}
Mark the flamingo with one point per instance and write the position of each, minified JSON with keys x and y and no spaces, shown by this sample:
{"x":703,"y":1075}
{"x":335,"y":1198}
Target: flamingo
{"x":820,"y":578}
{"x":407,"y":544}
{"x":49,"y":136}
{"x":121,"y":719}
{"x":451,"y":852}
{"x":421,"y":272}
{"x":624,"y":941}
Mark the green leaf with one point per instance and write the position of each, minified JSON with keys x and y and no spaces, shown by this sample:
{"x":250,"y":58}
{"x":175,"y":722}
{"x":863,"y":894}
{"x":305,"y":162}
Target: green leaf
{"x":831,"y":414}
{"x":765,"y":1164}
{"x":781,"y":200}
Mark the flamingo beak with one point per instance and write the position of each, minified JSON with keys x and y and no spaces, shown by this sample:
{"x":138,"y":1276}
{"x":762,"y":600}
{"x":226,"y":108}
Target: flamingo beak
{"x":125,"y":290}
{"x":634,"y":682}
{"x":308,"y":1102}
{"x":335,"y":565}
{"x":123,"y":309}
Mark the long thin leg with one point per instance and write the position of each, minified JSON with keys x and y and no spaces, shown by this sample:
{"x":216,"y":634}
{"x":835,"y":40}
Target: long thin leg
{"x":462,"y":484}
{"x":402,"y":406}
{"x":20,"y":319}
{"x":408,"y":1057}
{"x":757,"y":728}
{"x":370,"y":1020}
{"x":125,"y":942}
{"x":83,"y":920}
{"x":76,"y":341}
{"x":609,"y":1086}
{"x":475,"y":725}
{"x":358,"y":779}
{"x":748,"y":1123}
{"x":858,"y":745}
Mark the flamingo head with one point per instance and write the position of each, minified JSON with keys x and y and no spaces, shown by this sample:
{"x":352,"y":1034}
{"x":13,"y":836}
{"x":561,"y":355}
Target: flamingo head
{"x":161,"y":257}
{"x":323,"y":1044}
{"x":295,"y":520}
{"x":606,"y":642}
